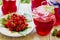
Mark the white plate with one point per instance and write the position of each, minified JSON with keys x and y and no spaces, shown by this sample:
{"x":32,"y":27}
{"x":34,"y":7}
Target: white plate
{"x":6,"y":32}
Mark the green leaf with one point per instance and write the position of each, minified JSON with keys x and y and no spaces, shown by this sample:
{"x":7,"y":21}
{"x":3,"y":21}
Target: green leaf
{"x":54,"y":32}
{"x":50,"y":9}
{"x":3,"y":20}
{"x":23,"y":32}
{"x":8,"y":17}
{"x":25,"y":1}
{"x":0,"y":2}
{"x":1,"y":25}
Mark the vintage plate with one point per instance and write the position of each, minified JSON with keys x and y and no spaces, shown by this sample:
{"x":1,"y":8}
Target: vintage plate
{"x":6,"y":32}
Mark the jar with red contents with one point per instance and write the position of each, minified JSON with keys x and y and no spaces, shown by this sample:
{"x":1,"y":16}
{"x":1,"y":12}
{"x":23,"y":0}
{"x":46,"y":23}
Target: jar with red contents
{"x":44,"y":19}
{"x":9,"y":6}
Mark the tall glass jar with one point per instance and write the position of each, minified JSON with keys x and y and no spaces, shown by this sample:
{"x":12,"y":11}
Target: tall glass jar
{"x":9,"y":6}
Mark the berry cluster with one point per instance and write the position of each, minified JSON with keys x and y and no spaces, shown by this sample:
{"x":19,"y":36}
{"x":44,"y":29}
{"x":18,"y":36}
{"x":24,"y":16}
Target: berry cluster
{"x":16,"y":23}
{"x":56,"y":33}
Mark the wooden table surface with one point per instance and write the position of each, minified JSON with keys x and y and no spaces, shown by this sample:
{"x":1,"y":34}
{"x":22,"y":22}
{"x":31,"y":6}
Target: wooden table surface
{"x":33,"y":35}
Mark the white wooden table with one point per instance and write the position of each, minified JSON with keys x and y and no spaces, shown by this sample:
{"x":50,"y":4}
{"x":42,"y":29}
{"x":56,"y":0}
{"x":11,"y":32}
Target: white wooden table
{"x":26,"y":8}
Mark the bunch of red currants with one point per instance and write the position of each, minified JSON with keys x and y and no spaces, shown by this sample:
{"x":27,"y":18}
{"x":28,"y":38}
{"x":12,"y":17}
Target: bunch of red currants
{"x":16,"y":23}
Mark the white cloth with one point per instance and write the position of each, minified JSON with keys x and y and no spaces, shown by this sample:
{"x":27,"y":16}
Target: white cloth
{"x":51,"y":3}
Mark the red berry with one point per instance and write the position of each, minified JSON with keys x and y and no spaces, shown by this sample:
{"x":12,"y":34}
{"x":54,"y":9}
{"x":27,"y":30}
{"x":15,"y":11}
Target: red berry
{"x":18,"y":29}
{"x":14,"y":15}
{"x":13,"y":25}
{"x":11,"y":29}
{"x":18,"y":18}
{"x":25,"y":26}
{"x":20,"y":22}
{"x":7,"y":24}
{"x":22,"y":17}
{"x":9,"y":21}
{"x":58,"y":33}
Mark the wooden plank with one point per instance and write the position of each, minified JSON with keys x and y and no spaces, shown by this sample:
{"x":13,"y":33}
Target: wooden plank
{"x":32,"y":36}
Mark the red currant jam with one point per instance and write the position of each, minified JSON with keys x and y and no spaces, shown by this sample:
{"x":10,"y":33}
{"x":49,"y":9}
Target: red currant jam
{"x":9,"y":6}
{"x":43,"y":28}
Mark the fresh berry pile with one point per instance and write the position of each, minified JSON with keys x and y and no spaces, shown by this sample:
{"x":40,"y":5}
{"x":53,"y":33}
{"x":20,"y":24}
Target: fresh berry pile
{"x":16,"y":23}
{"x":56,"y":33}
